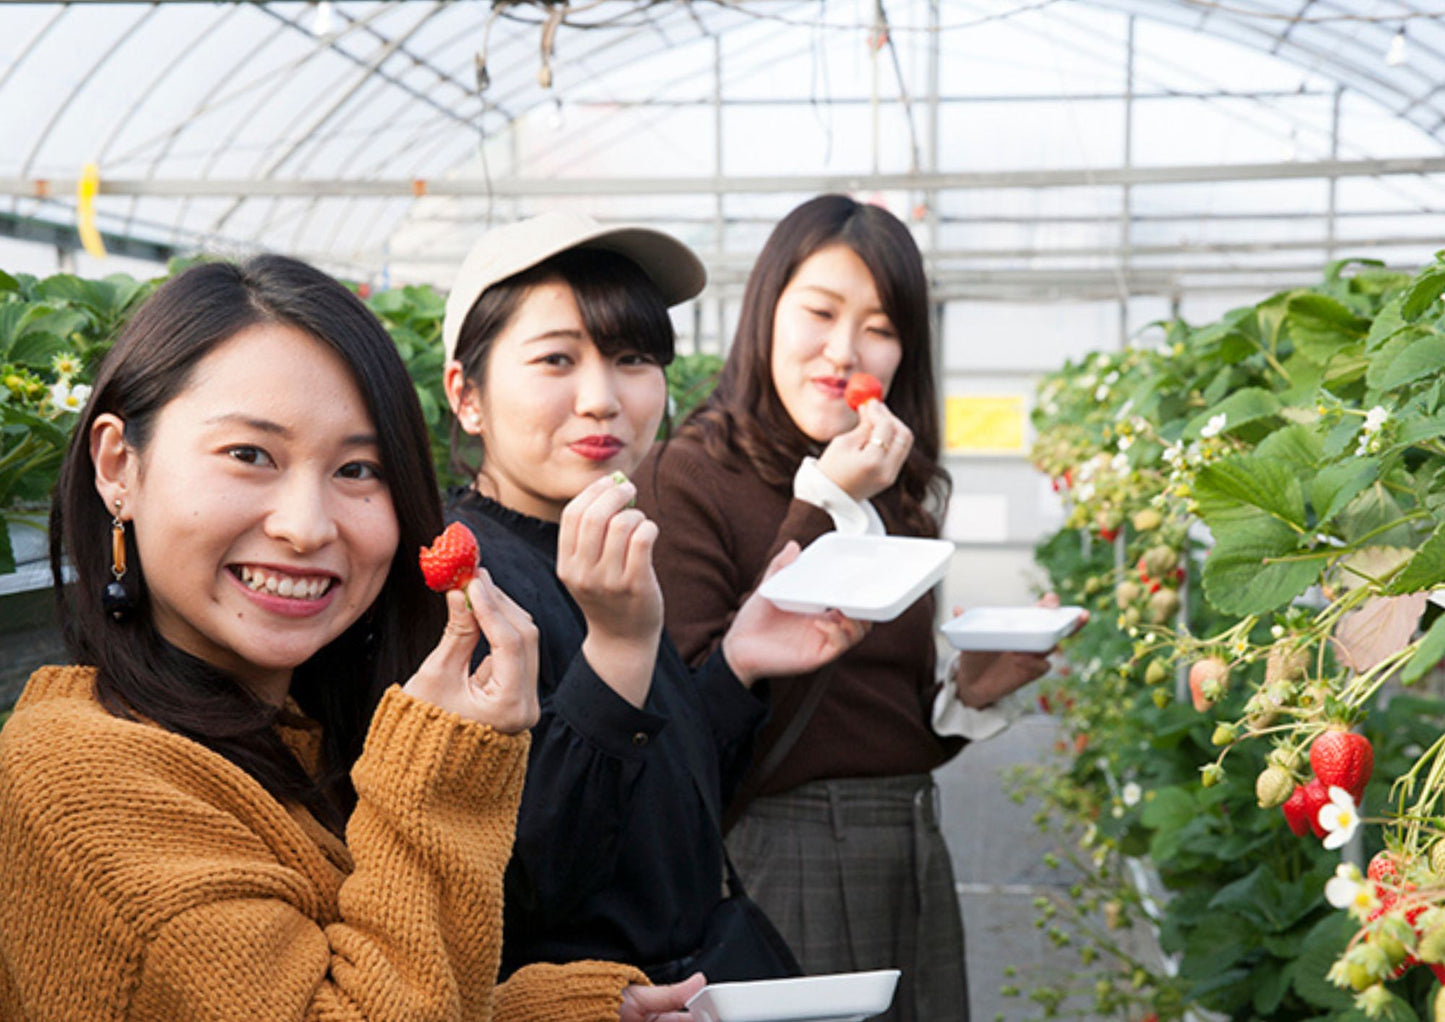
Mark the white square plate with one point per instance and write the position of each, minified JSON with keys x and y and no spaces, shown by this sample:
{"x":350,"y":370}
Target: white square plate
{"x":871,"y":578}
{"x":1016,"y":629}
{"x":845,"y":997}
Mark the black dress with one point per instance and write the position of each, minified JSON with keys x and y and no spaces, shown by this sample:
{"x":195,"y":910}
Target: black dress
{"x":616,"y":856}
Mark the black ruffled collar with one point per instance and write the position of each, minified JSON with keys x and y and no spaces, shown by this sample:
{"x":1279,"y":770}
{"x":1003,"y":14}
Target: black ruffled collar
{"x":539,"y":533}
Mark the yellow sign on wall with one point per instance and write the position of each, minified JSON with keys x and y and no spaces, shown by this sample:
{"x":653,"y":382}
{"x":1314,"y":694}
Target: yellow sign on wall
{"x":986,"y":423}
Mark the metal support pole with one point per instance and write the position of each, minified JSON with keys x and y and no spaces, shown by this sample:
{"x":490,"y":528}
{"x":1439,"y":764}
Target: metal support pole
{"x":1333,"y":184}
{"x":1126,"y":232}
{"x":719,"y":224}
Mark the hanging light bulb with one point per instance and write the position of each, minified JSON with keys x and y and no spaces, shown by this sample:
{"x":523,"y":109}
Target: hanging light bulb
{"x":1396,"y":55}
{"x":321,"y":26}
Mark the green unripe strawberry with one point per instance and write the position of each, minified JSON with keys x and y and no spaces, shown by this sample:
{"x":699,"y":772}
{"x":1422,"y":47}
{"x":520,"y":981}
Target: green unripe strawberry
{"x":1437,"y":1005}
{"x":1211,"y":774}
{"x":1369,"y":964}
{"x":1395,"y":951}
{"x":1437,"y":859}
{"x":1160,"y":560}
{"x":1273,"y":787}
{"x":1163,"y":605}
{"x":1147,"y":520}
{"x":1288,"y":757}
{"x":1156,"y":673}
{"x":1224,"y":734}
{"x":1432,"y":945}
{"x":1126,"y":593}
{"x":1131,"y":618}
{"x":1286,"y":665}
{"x":1161,"y":697}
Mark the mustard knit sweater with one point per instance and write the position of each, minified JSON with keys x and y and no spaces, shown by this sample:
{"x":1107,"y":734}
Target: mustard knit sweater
{"x":144,"y":877}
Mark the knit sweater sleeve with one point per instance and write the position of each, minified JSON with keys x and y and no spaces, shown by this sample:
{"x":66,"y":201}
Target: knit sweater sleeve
{"x":704,"y":556}
{"x":161,"y":883}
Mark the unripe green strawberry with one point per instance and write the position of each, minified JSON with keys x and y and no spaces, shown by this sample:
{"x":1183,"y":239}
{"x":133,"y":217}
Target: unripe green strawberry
{"x":1273,"y":787}
{"x":1286,"y":756}
{"x":1437,"y":1005}
{"x":1432,"y":946}
{"x":1092,"y":585}
{"x":1160,"y":560}
{"x":1368,"y":965}
{"x":1437,"y":859}
{"x":1163,"y":605}
{"x":1395,"y":951}
{"x":1126,"y":593}
{"x":1161,"y":697}
{"x":1211,"y":774}
{"x":1224,"y":734}
{"x":1131,"y":618}
{"x":1147,"y":520}
{"x":1374,"y":1000}
{"x":1286,"y":665}
{"x":1156,"y":673}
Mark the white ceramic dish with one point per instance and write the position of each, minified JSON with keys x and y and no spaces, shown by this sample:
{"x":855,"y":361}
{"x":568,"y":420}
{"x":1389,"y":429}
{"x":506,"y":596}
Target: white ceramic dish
{"x":871,"y":578}
{"x":845,"y":997}
{"x":1017,"y":629}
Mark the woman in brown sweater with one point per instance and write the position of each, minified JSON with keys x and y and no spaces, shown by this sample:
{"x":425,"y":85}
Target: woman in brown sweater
{"x":205,"y":819}
{"x":840,"y":842}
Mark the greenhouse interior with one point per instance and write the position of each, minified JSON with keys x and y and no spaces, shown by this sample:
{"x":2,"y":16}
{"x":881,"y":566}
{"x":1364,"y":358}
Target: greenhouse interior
{"x":1185,"y":325}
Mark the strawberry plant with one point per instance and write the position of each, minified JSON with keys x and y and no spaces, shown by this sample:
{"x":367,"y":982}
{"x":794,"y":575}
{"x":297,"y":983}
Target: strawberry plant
{"x":1280,"y":473}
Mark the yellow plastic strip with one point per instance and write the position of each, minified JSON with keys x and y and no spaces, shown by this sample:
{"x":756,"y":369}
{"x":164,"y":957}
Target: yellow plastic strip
{"x":85,"y":193}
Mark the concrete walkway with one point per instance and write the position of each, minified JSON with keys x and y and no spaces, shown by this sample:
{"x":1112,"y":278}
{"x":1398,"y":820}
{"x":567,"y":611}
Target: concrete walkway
{"x":998,"y":864}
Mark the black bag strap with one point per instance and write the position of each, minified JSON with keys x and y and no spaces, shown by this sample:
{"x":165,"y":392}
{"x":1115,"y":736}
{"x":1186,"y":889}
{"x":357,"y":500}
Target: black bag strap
{"x":769,"y":764}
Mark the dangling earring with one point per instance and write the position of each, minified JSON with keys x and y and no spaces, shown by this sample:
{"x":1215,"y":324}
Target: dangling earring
{"x":118,"y":598}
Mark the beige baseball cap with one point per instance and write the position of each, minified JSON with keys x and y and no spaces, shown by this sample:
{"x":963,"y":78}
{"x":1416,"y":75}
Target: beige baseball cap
{"x":508,"y":250}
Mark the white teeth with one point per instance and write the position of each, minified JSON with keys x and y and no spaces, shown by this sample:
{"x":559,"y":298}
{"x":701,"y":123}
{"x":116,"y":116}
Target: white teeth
{"x":257,"y":580}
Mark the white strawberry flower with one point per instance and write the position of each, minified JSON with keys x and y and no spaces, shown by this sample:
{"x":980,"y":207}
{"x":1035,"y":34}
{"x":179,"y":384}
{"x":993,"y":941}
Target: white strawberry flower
{"x":1132,"y":793}
{"x":1375,"y":418}
{"x":1339,"y":817}
{"x":1347,"y":890}
{"x":1214,"y":426}
{"x":67,"y":398}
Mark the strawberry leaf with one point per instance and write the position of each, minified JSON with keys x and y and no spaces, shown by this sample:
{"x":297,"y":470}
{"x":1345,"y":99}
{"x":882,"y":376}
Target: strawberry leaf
{"x":1231,"y":489}
{"x":1430,"y":652}
{"x":1247,"y":405}
{"x":1413,"y":353}
{"x":1425,"y":289}
{"x":1237,"y":579}
{"x":1335,"y":486}
{"x":1318,"y":325}
{"x":1426,"y":569}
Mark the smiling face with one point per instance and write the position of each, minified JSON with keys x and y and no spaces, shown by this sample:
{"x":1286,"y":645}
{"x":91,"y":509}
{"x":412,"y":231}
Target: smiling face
{"x":258,"y":507}
{"x":828,"y":324}
{"x":555,"y":413}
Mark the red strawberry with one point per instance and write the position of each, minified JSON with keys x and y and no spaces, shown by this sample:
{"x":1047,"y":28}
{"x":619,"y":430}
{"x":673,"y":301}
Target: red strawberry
{"x":1108,"y":535}
{"x":1295,"y":813}
{"x":1317,"y":796}
{"x":451,"y":561}
{"x":862,"y":388}
{"x":1343,"y":759}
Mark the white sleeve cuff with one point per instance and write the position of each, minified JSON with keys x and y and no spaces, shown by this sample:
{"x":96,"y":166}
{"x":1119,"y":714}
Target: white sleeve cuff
{"x":952,"y":717}
{"x":850,"y":517}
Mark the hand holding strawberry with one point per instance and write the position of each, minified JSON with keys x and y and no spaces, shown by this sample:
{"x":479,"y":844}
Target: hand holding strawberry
{"x":866,"y":459}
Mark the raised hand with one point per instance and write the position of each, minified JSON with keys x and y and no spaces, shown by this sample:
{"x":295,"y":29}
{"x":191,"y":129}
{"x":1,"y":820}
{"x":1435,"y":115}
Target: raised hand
{"x":764,"y":641}
{"x":866,"y":460}
{"x":604,"y":558}
{"x":502,"y":691}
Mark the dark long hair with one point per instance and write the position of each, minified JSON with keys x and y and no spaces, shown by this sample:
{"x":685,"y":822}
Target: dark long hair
{"x":744,"y":417}
{"x":621,"y":308}
{"x":139,"y":674}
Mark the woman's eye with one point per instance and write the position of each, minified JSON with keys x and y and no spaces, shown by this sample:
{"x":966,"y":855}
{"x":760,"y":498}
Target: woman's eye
{"x":249,"y":455}
{"x":360,"y":470}
{"x":635,"y":358}
{"x":555,"y":358}
{"x":883,"y":331}
{"x":821,"y":313}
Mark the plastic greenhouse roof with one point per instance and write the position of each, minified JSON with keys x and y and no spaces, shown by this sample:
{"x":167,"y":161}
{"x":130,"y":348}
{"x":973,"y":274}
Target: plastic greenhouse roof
{"x":1240,"y":137}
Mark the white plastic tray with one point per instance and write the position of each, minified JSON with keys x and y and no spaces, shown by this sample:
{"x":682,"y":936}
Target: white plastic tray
{"x":845,"y":997}
{"x":870,"y":578}
{"x":1016,"y":629}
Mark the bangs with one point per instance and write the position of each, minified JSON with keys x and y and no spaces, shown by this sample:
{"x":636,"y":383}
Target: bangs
{"x":620,"y":305}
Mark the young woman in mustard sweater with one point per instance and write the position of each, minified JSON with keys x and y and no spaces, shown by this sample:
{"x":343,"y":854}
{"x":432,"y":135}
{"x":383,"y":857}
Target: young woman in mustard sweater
{"x":228,"y":808}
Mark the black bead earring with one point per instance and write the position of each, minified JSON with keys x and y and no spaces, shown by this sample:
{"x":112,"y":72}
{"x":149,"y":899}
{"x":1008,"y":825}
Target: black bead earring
{"x":118,"y":598}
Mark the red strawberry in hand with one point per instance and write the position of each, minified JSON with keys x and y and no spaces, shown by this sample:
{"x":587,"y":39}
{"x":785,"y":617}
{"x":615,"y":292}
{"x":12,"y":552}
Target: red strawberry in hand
{"x":862,"y":388}
{"x":451,"y":561}
{"x":1343,"y":759}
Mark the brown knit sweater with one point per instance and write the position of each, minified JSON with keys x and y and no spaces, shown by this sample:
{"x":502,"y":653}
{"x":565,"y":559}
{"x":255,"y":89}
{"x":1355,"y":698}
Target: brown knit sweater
{"x":145,"y":877}
{"x":719,"y":526}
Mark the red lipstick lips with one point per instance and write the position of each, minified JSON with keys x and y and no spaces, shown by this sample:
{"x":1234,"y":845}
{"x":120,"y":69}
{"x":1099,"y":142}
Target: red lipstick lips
{"x":599,"y":447}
